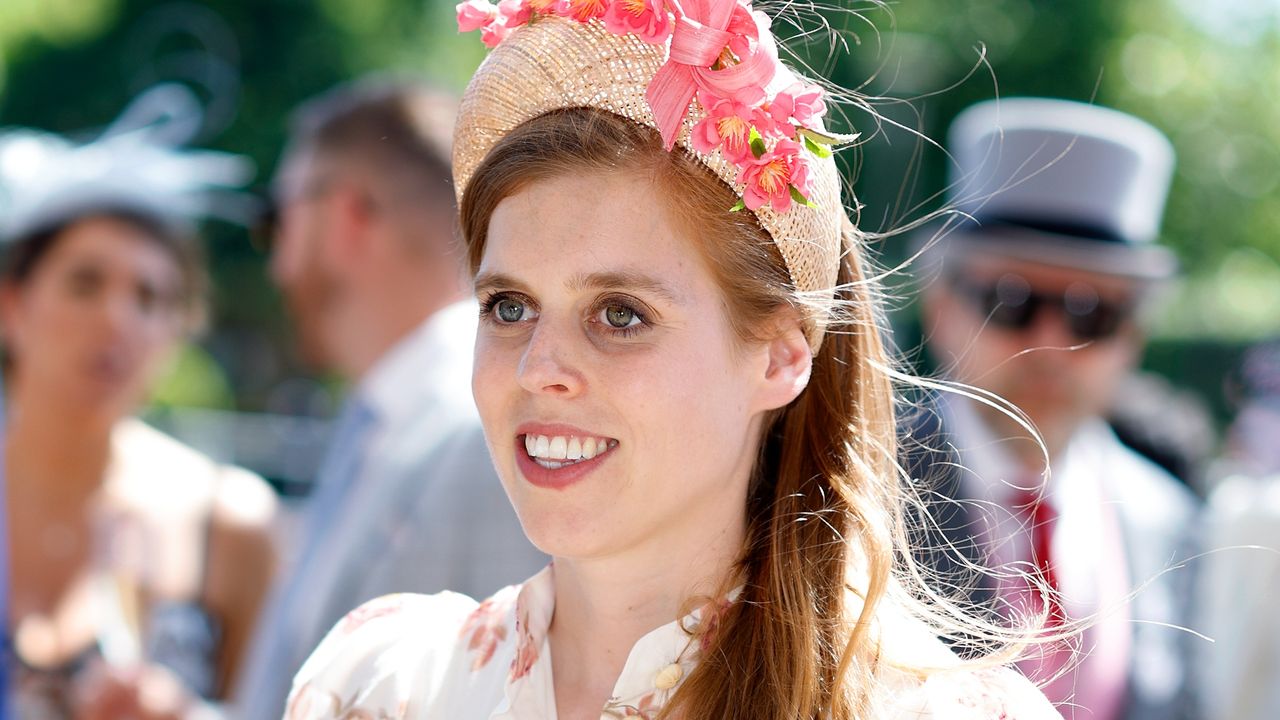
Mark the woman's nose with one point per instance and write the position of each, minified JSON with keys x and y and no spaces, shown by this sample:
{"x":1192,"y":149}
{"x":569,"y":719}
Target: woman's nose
{"x":549,"y":363}
{"x":117,"y":310}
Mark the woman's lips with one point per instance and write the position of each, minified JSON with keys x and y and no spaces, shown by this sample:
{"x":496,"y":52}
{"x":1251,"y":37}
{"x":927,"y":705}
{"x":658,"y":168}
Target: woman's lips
{"x":109,"y":367}
{"x":556,"y":457}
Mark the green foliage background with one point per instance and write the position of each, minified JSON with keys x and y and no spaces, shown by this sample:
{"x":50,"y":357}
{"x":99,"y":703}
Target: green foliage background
{"x":1205,"y":73}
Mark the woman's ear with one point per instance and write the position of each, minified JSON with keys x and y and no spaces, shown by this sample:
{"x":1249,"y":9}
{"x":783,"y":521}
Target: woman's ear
{"x":790,"y":360}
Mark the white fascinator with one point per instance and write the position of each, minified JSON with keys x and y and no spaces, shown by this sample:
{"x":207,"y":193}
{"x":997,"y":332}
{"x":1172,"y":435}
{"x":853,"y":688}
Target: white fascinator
{"x":138,"y":164}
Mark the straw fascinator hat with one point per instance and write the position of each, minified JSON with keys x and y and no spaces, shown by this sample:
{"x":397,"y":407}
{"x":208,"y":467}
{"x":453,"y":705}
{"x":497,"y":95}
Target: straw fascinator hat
{"x":704,"y":73}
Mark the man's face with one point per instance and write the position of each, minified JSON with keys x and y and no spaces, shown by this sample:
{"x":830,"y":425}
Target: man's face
{"x":1056,"y":342}
{"x":297,"y":259}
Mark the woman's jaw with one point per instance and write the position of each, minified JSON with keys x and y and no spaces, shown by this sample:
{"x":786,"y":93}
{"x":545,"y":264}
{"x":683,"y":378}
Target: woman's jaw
{"x":555,"y":456}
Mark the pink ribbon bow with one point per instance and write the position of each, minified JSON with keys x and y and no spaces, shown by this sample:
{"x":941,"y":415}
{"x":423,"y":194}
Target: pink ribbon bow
{"x":703,"y":29}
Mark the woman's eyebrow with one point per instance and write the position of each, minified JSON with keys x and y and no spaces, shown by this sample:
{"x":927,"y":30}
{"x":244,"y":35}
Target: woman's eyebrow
{"x":488,"y":280}
{"x":614,"y":280}
{"x":626,"y":280}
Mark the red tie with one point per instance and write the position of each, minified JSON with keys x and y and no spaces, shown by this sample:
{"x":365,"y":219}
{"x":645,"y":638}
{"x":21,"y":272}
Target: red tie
{"x":1046,"y":665}
{"x":1094,"y":688}
{"x":1038,"y":517}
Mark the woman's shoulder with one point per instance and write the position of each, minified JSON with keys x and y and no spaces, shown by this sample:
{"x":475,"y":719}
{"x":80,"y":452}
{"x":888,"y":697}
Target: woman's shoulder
{"x":982,"y":693}
{"x":387,"y":624}
{"x":401,"y":651}
{"x":162,"y":472}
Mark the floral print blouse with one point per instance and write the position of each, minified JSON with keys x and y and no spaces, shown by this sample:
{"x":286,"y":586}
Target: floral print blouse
{"x":446,"y":657}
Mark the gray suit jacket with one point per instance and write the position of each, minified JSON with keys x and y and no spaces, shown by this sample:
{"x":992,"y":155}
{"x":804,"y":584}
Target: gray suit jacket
{"x":430,"y":514}
{"x":444,"y":524}
{"x":1157,"y":516}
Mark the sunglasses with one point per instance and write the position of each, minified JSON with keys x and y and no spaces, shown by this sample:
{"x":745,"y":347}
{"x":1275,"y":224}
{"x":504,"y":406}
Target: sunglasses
{"x":1012,"y":303}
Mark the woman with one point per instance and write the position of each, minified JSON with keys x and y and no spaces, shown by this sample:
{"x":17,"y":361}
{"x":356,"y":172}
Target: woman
{"x":137,"y":563}
{"x":690,"y":407}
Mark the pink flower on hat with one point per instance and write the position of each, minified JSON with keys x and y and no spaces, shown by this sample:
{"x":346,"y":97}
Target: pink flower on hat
{"x":494,"y":33}
{"x":515,"y":12}
{"x":728,"y":126}
{"x":475,"y":14}
{"x":510,"y":14}
{"x":719,"y":47}
{"x":769,"y":179}
{"x":798,"y":106}
{"x":748,"y":62}
{"x":744,"y":30}
{"x":583,"y":10}
{"x":495,"y":23}
{"x":647,"y":19}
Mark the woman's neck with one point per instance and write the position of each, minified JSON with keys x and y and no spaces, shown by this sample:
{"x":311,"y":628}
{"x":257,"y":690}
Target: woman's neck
{"x":605,"y":605}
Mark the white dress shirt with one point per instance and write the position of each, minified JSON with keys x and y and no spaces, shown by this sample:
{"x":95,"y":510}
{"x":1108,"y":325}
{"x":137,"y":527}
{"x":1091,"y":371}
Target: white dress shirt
{"x":1087,"y":545}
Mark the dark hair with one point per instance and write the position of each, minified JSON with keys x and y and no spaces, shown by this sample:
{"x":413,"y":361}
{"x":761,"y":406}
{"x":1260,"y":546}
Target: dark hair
{"x":25,"y":254}
{"x":401,"y":127}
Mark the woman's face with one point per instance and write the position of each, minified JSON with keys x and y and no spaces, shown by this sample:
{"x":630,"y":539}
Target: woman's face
{"x":91,"y":324}
{"x":619,"y":406}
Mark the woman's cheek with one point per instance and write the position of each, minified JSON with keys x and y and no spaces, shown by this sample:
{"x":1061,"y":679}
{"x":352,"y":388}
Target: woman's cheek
{"x":492,"y":375}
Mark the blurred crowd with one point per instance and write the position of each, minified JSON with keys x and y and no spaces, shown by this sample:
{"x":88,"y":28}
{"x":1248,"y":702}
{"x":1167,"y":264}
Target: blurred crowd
{"x":144,"y":579}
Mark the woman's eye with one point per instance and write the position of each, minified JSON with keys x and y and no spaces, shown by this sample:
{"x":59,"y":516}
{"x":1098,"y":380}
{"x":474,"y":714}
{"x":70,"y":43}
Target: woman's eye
{"x":147,"y":297}
{"x":509,"y":310}
{"x":620,"y":316}
{"x":84,"y":283}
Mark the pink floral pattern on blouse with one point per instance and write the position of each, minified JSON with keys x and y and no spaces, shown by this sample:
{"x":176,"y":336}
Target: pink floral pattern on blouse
{"x":486,"y":628}
{"x":447,"y":657}
{"x":376,"y":608}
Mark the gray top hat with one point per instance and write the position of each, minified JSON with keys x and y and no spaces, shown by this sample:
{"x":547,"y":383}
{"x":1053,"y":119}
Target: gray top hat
{"x":1062,"y":183}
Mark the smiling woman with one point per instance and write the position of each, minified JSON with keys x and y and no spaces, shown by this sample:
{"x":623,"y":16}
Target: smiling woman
{"x":690,"y":408}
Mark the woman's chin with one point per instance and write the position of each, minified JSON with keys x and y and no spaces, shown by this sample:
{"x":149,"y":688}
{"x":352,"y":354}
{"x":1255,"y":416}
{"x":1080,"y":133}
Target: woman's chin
{"x":112,"y":399}
{"x":563,"y":534}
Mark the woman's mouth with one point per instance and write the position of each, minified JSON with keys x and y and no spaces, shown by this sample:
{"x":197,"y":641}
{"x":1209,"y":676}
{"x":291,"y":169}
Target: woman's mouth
{"x":557,"y":457}
{"x":557,"y":451}
{"x":109,"y":367}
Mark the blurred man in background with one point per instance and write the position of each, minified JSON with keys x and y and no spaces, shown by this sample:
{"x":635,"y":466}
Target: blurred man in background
{"x":1039,"y":300}
{"x":1236,"y":595}
{"x":406,"y":499}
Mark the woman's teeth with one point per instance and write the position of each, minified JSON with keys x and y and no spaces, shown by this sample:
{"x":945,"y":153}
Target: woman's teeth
{"x":558,"y":451}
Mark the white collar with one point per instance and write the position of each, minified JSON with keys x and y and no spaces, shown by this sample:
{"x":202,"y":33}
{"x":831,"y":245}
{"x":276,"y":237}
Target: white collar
{"x":992,"y":474}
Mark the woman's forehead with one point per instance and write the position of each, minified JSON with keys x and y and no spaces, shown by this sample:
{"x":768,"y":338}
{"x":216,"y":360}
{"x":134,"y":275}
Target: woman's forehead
{"x":113,"y":243}
{"x":585,"y":231}
{"x":617,"y":202}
